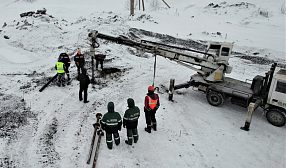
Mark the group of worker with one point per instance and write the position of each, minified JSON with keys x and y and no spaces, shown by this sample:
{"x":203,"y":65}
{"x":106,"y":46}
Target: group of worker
{"x":111,"y":121}
{"x":62,"y":67}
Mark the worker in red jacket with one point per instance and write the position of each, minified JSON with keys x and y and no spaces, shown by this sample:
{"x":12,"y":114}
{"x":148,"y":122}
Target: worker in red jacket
{"x":79,"y":61}
{"x":152,"y":104}
{"x":64,"y":57}
{"x":99,"y":59}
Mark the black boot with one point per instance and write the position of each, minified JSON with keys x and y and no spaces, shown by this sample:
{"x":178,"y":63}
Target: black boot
{"x":69,"y":79}
{"x":126,"y":141}
{"x":154,"y":126}
{"x":148,"y":129}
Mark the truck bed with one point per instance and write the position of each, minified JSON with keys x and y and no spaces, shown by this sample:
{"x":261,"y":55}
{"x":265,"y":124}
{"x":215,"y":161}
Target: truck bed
{"x":229,"y":86}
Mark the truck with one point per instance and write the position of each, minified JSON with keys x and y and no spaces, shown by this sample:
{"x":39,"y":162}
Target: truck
{"x":267,"y":92}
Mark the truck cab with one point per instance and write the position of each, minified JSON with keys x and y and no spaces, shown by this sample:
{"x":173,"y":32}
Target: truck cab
{"x":277,"y":91}
{"x":276,"y":101}
{"x":221,"y":51}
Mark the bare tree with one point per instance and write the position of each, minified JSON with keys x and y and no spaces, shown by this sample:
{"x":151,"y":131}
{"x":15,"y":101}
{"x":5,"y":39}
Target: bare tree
{"x":282,"y":8}
{"x":131,"y":7}
{"x":127,"y":4}
{"x":154,"y":4}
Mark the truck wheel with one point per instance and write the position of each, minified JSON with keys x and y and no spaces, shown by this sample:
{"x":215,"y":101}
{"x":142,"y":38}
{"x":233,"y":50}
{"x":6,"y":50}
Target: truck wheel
{"x":276,"y":117}
{"x":215,"y":99}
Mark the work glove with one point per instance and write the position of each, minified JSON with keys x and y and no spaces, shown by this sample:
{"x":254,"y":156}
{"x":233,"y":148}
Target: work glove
{"x":96,"y":124}
{"x":156,"y":106}
{"x":148,"y":109}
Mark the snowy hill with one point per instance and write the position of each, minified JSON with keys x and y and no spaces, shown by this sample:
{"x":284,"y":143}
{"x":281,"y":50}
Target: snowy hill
{"x":53,"y":129}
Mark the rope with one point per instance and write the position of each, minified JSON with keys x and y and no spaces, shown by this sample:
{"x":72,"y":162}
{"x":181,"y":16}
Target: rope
{"x":154,"y":69}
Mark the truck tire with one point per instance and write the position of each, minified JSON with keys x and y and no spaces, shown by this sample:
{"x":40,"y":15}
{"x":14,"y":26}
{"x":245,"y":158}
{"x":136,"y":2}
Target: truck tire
{"x":215,"y":98}
{"x":276,"y":117}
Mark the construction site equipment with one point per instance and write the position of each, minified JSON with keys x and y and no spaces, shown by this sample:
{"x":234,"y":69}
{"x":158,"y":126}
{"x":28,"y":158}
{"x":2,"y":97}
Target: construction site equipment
{"x":96,"y":127}
{"x":100,"y":134}
{"x":53,"y":78}
{"x":267,"y":92}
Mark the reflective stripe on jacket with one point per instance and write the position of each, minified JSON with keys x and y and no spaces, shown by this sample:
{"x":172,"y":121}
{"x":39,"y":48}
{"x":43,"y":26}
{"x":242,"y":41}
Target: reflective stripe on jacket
{"x":60,"y":67}
{"x":152,"y":103}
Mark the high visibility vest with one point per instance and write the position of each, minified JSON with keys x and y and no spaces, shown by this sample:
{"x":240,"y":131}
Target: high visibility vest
{"x":60,"y":67}
{"x":152,"y":103}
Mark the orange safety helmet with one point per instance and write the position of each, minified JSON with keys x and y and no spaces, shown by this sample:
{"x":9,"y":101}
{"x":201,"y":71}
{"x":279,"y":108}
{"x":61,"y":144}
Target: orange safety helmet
{"x":151,"y":88}
{"x":79,"y":52}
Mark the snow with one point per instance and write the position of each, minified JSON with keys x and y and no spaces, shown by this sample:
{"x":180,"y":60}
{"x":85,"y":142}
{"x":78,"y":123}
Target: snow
{"x":191,"y":133}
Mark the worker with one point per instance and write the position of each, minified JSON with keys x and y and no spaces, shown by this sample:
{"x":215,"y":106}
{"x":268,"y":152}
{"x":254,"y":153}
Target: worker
{"x":99,"y":59}
{"x":60,"y":67}
{"x":111,"y":122}
{"x":84,"y":81}
{"x":130,"y":121}
{"x":152,"y":104}
{"x":79,"y":61}
{"x":66,"y":60}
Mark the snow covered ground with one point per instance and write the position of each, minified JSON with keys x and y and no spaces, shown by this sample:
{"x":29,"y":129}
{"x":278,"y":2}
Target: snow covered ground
{"x":53,"y":129}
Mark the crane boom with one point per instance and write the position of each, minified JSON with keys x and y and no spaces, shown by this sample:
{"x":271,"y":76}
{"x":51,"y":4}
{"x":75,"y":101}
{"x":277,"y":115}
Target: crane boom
{"x":213,"y":67}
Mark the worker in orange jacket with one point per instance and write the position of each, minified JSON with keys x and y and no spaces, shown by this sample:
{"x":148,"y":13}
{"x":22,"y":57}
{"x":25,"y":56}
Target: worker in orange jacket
{"x":152,"y":104}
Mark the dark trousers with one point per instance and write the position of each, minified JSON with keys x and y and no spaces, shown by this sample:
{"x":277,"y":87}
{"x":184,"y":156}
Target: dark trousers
{"x":68,"y":73}
{"x":61,"y":79}
{"x":150,"y":118}
{"x":84,"y":92}
{"x":78,"y":69}
{"x":132,"y":133}
{"x":109,"y":141}
{"x":101,"y":63}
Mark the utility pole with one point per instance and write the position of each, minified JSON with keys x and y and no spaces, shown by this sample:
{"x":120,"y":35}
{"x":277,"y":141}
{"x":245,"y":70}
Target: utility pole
{"x":131,"y":7}
{"x":139,"y":4}
{"x":143,"y":5}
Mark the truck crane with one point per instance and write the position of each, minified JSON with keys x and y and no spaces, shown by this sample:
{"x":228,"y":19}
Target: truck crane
{"x":267,"y":92}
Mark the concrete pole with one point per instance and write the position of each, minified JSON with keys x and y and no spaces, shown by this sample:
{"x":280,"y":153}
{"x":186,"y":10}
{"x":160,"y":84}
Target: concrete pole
{"x":171,"y":89}
{"x":251,"y":108}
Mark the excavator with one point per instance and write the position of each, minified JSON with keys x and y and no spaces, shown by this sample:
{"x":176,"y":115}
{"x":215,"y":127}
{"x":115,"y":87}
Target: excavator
{"x":267,"y":92}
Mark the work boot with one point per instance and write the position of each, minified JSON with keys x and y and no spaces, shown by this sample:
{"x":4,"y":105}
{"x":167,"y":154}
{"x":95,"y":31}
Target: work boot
{"x":86,"y":101}
{"x":148,"y":129}
{"x":126,"y":141}
{"x":154,"y":126}
{"x":69,"y":81}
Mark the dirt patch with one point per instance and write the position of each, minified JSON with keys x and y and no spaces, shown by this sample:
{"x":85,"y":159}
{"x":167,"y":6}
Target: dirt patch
{"x":47,"y":152}
{"x":14,"y":114}
{"x":103,"y":77}
{"x":262,"y":61}
{"x":110,"y":73}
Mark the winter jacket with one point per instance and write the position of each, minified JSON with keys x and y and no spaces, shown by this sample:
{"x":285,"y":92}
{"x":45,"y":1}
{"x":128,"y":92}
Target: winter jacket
{"x":99,"y":56}
{"x":153,"y":96}
{"x":84,"y":80}
{"x":111,"y":121}
{"x":64,"y":57}
{"x":79,"y":58}
{"x":131,"y":116}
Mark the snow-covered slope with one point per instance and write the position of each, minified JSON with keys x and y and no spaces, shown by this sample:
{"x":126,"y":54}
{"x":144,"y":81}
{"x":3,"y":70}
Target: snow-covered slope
{"x":53,"y":129}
